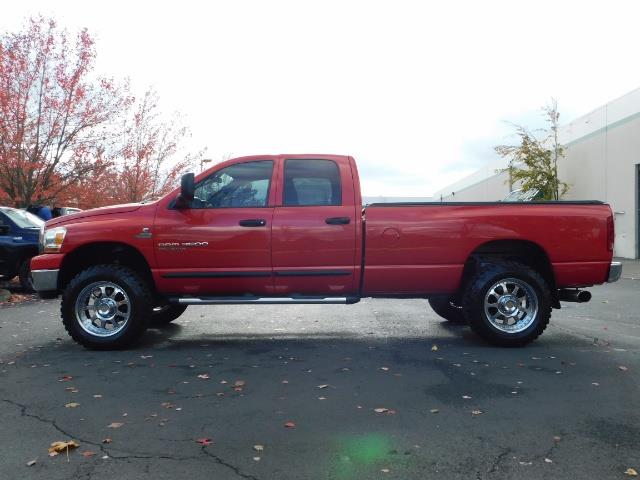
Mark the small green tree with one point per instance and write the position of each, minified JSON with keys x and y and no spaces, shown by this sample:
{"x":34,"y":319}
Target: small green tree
{"x":534,"y":162}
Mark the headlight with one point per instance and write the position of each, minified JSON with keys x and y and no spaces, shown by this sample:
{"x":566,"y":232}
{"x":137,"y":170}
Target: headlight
{"x":52,"y":239}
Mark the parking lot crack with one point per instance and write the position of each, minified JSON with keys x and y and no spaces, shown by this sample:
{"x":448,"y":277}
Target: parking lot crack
{"x":25,"y":413}
{"x":220,"y":461}
{"x":495,"y":465}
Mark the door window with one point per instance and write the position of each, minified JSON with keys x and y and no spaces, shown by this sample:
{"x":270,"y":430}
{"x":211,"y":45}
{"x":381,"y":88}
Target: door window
{"x":243,"y":185}
{"x":311,"y":182}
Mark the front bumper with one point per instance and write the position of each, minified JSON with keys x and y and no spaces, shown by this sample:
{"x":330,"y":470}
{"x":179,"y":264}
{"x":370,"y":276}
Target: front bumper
{"x":45,"y":280}
{"x":615,"y":272}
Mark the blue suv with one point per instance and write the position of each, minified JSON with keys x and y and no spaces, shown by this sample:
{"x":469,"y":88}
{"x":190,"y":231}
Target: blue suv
{"x":19,"y":240}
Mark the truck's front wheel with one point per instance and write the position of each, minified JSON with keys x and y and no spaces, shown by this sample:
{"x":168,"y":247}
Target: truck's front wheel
{"x":106,"y":307}
{"x":507,"y":303}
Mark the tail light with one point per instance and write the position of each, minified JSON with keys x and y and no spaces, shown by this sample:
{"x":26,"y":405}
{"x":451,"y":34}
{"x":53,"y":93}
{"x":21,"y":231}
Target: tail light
{"x":611,"y":234}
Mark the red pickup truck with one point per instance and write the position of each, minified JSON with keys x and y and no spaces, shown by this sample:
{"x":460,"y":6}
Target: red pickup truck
{"x":291,"y":229}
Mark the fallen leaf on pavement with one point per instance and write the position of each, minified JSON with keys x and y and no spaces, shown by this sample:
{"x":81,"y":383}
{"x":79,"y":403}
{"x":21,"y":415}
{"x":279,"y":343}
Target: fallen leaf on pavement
{"x":97,"y":396}
{"x":115,"y":425}
{"x":322,"y":398}
{"x":72,"y":405}
{"x":257,"y":459}
{"x":385,"y":470}
{"x":631,"y":472}
{"x":65,"y":378}
{"x":623,"y":368}
{"x":386,"y":369}
{"x":434,"y":348}
{"x":60,"y":447}
{"x":466,"y":397}
{"x":476,"y":412}
{"x":88,"y":454}
{"x":205,"y":441}
{"x":204,"y":376}
{"x":548,"y":460}
{"x":31,"y":463}
{"x":380,"y":410}
{"x":557,"y":438}
{"x":239,"y":383}
{"x":72,"y":389}
{"x":258,"y":448}
{"x":322,"y":386}
{"x":434,"y":410}
{"x":290,"y":424}
{"x":107,"y":440}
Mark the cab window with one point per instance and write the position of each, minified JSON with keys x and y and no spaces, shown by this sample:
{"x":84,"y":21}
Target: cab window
{"x":243,"y":185}
{"x":311,"y":183}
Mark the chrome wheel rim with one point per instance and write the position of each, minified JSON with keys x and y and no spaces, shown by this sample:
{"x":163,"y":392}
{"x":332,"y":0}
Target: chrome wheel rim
{"x":511,"y":305}
{"x":103,"y":309}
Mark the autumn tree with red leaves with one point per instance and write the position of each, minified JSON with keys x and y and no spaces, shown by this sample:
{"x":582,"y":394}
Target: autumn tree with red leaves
{"x":145,"y":165}
{"x":69,"y":137}
{"x":54,"y":116}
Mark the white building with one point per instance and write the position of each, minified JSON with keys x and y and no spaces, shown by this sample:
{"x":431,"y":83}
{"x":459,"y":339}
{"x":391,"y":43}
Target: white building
{"x":602,"y":162}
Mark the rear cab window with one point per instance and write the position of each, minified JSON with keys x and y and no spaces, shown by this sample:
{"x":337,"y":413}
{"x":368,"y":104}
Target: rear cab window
{"x":311,"y":183}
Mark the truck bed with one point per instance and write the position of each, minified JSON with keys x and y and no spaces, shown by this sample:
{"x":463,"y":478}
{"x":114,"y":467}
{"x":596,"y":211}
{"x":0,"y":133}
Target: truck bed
{"x":421,"y":248}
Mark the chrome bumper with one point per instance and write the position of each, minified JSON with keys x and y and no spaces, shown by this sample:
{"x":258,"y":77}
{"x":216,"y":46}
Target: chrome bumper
{"x":615,"y":272}
{"x":45,"y":280}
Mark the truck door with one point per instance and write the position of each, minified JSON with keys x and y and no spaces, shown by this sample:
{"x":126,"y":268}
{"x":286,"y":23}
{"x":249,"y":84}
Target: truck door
{"x":314,"y":228}
{"x":221,"y":245}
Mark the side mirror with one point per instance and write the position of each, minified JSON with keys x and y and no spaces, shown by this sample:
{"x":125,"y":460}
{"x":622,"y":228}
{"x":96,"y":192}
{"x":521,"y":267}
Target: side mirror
{"x":4,"y":229}
{"x":187,"y":190}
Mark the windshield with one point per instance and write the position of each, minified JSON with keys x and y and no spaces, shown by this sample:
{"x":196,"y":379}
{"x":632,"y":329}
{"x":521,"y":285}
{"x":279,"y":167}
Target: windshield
{"x":22,"y":219}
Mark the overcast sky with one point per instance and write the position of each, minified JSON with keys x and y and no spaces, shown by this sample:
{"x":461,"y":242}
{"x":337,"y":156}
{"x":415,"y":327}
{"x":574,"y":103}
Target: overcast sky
{"x":417,"y":91}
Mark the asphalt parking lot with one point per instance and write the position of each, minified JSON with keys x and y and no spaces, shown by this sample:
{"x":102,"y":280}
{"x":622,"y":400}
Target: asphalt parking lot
{"x":382,"y":389}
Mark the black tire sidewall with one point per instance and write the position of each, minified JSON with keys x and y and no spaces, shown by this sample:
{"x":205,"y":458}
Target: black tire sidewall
{"x":139,"y":298}
{"x":442,"y":307}
{"x":26,"y":282}
{"x":166,"y":316}
{"x":473,"y":304}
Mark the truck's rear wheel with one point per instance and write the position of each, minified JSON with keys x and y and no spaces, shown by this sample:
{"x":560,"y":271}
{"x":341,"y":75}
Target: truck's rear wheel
{"x":447,"y":310}
{"x":106,"y":307}
{"x":507,"y":303}
{"x":165,"y":314}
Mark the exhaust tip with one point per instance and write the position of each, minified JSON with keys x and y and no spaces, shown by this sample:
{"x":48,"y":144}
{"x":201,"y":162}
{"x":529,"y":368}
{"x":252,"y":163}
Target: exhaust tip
{"x":584,"y":296}
{"x":578,"y":296}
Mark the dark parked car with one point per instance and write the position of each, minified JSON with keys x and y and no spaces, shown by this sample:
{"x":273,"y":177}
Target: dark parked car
{"x":19,"y":238}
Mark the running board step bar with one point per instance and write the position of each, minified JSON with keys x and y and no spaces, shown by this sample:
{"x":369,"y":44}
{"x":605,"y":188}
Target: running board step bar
{"x":247,"y":300}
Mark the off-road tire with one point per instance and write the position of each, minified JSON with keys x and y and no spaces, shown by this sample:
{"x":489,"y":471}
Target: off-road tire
{"x":443,"y":307}
{"x":26,"y":282}
{"x":487,"y":274}
{"x":138,"y":292}
{"x":166,"y":315}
